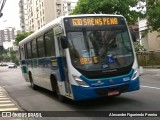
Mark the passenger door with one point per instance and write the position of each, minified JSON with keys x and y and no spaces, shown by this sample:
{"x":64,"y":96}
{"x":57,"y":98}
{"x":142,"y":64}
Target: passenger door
{"x":62,"y":63}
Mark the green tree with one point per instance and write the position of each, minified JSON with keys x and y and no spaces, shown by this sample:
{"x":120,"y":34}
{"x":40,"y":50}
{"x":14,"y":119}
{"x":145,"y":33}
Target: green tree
{"x":1,"y":58}
{"x":138,"y":47}
{"x":121,"y":7}
{"x":3,"y":53}
{"x":13,"y":56}
{"x":6,"y":58}
{"x":21,"y":36}
{"x":153,"y":14}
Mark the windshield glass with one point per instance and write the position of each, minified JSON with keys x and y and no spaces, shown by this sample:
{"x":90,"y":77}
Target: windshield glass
{"x":100,"y":50}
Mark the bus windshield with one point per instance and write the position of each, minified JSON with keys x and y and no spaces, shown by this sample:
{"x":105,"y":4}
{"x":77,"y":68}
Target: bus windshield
{"x":93,"y":50}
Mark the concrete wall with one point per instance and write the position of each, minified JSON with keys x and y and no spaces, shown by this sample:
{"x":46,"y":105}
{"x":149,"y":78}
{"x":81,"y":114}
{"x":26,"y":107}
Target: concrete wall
{"x":150,"y":41}
{"x":153,"y":41}
{"x":144,"y":42}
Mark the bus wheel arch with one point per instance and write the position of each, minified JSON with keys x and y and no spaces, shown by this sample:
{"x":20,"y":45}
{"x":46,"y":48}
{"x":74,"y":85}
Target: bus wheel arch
{"x":55,"y":88}
{"x":31,"y":81}
{"x":53,"y":82}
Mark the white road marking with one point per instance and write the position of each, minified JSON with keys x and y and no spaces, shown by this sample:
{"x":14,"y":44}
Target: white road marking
{"x":150,"y":87}
{"x":8,"y":109}
{"x":7,"y":105}
{"x":4,"y":98}
{"x":5,"y":101}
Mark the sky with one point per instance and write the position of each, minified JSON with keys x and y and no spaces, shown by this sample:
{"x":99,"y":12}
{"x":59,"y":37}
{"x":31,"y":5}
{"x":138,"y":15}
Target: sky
{"x":10,"y":16}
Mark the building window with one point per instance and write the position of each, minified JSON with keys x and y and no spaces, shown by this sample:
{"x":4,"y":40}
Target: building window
{"x":42,"y":4}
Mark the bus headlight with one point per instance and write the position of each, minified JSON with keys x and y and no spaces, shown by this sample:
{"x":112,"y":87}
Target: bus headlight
{"x":80,"y":82}
{"x":135,"y":74}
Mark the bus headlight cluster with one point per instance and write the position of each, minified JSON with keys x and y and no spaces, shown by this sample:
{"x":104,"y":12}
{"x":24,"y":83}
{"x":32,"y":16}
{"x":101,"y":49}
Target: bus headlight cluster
{"x":135,"y":74}
{"x":80,"y":82}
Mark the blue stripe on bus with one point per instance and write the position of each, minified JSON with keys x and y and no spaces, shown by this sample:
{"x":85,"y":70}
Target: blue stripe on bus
{"x":60,"y":67}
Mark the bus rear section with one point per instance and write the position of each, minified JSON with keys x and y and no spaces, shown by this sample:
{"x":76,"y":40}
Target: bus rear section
{"x":100,"y":57}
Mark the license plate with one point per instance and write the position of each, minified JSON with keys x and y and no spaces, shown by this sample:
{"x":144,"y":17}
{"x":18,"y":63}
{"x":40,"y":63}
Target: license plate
{"x":112,"y":93}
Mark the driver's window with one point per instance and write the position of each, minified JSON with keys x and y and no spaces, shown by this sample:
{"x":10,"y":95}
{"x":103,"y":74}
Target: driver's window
{"x":123,"y":40}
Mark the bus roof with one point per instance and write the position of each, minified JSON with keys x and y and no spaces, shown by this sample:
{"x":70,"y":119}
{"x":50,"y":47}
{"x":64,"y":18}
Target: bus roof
{"x":58,"y":21}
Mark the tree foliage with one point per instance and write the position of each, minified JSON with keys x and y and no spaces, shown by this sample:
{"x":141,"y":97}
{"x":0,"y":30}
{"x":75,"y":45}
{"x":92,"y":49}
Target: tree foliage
{"x":138,"y":47}
{"x":2,"y":50}
{"x":8,"y":56}
{"x":153,"y":14}
{"x":21,"y":36}
{"x":122,"y":7}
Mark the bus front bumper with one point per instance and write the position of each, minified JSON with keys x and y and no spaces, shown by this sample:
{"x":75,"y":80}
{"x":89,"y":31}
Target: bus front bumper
{"x":84,"y":93}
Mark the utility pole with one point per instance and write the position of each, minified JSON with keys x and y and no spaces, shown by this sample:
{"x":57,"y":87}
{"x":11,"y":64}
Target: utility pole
{"x":2,"y":3}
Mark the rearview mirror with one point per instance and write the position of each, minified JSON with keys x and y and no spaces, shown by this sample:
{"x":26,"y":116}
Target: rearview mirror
{"x":64,"y":42}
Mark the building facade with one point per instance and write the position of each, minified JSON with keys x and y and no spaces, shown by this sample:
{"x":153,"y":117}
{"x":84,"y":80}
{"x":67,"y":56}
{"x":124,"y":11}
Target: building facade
{"x":34,"y":14}
{"x":1,"y":37}
{"x":151,"y":40}
{"x":68,"y":6}
{"x":7,"y":35}
{"x":23,"y":15}
{"x":41,"y":12}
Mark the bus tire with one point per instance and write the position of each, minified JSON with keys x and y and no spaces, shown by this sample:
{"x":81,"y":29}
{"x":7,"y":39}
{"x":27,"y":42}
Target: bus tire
{"x":53,"y":83}
{"x":34,"y":87}
{"x":56,"y":89}
{"x":60,"y":97}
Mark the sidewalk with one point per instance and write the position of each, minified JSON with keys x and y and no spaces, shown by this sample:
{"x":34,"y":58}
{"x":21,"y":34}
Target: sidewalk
{"x":149,"y":69}
{"x":152,"y":67}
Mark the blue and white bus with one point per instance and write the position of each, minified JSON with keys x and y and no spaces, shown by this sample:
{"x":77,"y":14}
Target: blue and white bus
{"x":81,"y":57}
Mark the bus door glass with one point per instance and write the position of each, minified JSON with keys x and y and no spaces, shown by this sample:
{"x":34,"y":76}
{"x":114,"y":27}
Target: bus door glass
{"x":62,"y":63}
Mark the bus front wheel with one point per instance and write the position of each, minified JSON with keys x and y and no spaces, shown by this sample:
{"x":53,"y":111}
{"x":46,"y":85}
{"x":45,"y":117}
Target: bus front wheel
{"x":34,"y":87}
{"x":55,"y":88}
{"x":60,"y":97}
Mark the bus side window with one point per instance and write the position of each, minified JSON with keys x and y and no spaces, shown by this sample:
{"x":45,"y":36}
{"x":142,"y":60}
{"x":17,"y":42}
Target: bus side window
{"x":41,"y":51}
{"x":25,"y":51}
{"x":49,"y":43}
{"x":22,"y":54}
{"x":29,"y":54}
{"x":34,"y":48}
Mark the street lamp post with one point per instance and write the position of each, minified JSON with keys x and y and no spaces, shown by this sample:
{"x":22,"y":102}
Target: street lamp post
{"x":2,"y":3}
{"x":1,"y":14}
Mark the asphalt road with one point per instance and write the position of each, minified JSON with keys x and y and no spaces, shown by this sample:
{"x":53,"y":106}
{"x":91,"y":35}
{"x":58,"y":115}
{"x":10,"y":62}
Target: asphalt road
{"x":146,"y":99}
